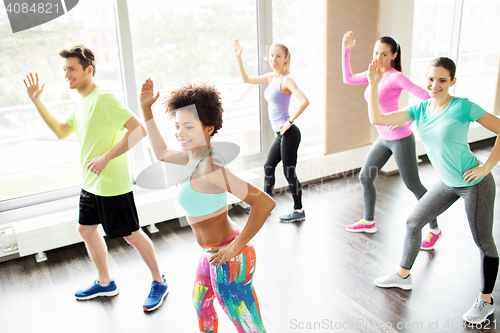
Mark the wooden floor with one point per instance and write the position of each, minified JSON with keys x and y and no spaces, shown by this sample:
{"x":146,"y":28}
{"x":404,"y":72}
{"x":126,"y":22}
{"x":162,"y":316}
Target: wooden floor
{"x":312,"y":276}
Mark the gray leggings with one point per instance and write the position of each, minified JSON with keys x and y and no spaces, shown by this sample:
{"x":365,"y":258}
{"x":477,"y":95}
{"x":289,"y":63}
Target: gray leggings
{"x":479,"y":200}
{"x":406,"y":159}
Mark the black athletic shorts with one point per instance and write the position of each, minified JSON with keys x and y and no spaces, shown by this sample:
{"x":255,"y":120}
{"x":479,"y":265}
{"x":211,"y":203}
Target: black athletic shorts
{"x":117,"y":214}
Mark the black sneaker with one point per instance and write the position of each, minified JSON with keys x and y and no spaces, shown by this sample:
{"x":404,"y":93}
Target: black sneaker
{"x":293,"y":216}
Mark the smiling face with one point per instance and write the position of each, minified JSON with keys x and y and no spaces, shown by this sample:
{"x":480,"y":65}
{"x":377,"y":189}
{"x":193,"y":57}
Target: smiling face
{"x":189,"y":131}
{"x":277,"y":58}
{"x":439,"y":81}
{"x":78,"y":78}
{"x":383,"y":55}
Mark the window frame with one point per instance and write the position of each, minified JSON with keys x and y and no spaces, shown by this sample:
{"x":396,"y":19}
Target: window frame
{"x":454,"y":51}
{"x":127,"y":68}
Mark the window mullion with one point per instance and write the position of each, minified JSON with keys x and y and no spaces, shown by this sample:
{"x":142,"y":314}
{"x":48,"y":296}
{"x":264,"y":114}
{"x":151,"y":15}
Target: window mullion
{"x":124,"y":37}
{"x":265,"y":39}
{"x":456,"y":32}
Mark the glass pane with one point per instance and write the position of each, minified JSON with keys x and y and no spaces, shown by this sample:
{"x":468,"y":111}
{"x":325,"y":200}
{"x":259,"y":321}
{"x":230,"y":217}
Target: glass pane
{"x":432,"y":35}
{"x":34,"y":161}
{"x":192,"y":40}
{"x":477,"y":68}
{"x":478,"y":49}
{"x":306,"y":44}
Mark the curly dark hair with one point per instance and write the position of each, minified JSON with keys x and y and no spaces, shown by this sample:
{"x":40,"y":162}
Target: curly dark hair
{"x":205,"y":97}
{"x":83,"y":53}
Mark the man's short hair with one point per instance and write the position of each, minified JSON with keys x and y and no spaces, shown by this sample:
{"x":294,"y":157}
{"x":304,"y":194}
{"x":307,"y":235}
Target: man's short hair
{"x":83,"y":53}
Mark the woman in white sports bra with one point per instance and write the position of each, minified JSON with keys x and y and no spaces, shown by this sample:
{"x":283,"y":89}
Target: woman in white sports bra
{"x":226,"y":267}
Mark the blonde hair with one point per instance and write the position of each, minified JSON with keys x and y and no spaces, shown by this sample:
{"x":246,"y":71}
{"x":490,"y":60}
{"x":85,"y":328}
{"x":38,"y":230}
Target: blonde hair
{"x":287,"y":55}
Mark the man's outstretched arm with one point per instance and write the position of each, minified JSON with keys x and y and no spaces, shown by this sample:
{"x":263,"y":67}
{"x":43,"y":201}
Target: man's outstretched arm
{"x":61,"y":130}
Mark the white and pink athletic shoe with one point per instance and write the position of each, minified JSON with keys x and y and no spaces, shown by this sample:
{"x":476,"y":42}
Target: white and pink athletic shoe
{"x":430,"y":241}
{"x":362,"y":226}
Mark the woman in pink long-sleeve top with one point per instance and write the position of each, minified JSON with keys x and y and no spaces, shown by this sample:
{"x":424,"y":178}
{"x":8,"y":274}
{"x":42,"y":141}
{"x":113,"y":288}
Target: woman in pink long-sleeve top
{"x":397,"y":140}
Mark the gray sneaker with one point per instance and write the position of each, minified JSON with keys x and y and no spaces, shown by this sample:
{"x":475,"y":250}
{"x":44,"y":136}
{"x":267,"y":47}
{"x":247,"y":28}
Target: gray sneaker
{"x":479,"y":311}
{"x":293,"y":216}
{"x":394,"y":280}
{"x":248,"y":208}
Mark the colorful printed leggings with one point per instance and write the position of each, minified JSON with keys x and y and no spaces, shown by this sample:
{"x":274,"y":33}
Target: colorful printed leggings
{"x":232,"y":284}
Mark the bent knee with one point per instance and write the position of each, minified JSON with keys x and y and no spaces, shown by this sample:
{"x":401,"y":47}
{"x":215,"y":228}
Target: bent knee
{"x":487,"y":247}
{"x":134,"y":237}
{"x":202,"y":303}
{"x":289,"y":171}
{"x":365,"y":179}
{"x":417,"y":189}
{"x":269,"y":170}
{"x":87,"y":230}
{"x":414,"y":225}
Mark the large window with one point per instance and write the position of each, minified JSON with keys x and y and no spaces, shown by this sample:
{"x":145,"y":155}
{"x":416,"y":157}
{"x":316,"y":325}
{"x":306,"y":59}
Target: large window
{"x":170,"y":42}
{"x":33,"y":160}
{"x":468,"y":32}
{"x":192,"y":41}
{"x":299,"y":25}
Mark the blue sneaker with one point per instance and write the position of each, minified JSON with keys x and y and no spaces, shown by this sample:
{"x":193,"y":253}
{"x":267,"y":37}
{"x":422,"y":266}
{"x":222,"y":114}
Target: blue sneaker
{"x":156,"y":295}
{"x":96,"y":290}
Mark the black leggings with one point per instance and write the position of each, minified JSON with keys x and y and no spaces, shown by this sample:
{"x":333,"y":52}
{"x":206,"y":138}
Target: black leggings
{"x":284,"y":148}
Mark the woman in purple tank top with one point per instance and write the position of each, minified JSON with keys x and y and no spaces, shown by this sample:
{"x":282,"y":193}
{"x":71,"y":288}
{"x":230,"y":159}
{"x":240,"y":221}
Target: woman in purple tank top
{"x":285,"y":145}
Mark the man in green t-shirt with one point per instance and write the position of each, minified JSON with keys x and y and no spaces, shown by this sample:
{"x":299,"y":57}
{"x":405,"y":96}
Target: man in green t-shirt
{"x":106,"y":130}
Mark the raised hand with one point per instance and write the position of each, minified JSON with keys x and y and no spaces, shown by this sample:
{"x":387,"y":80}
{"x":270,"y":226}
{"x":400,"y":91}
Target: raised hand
{"x":237,"y":47}
{"x":148,"y":97}
{"x":348,"y":42}
{"x":33,"y":88}
{"x":374,"y":72}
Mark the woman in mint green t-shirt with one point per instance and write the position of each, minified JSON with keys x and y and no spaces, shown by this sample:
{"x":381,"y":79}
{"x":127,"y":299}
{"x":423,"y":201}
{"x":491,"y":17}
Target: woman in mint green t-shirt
{"x":443,"y":123}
